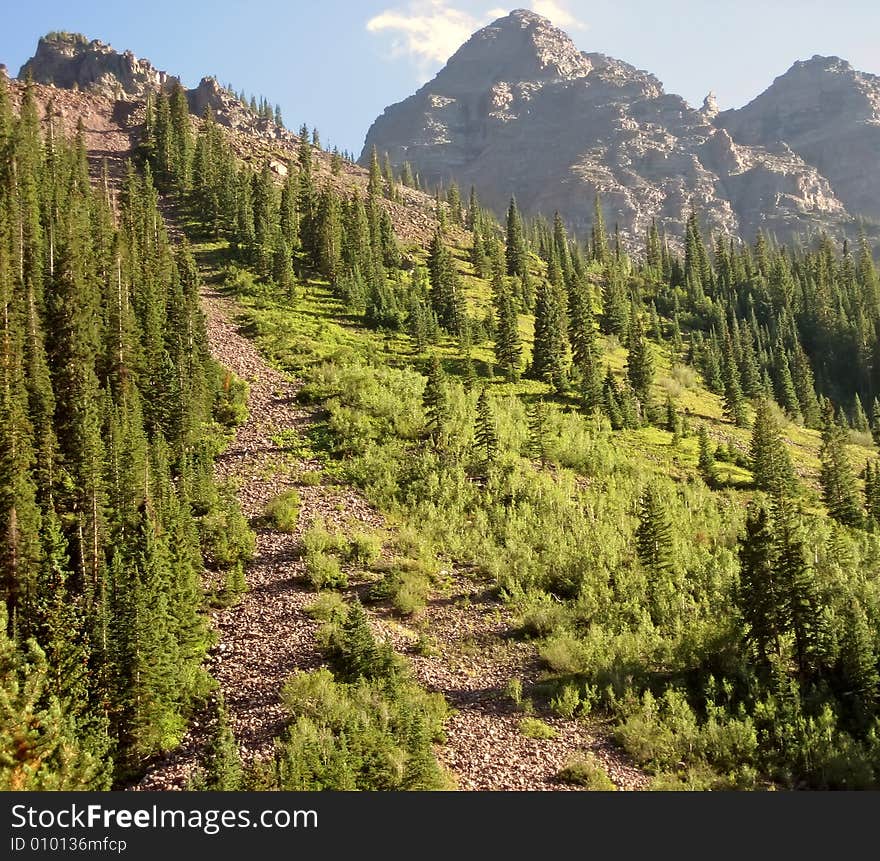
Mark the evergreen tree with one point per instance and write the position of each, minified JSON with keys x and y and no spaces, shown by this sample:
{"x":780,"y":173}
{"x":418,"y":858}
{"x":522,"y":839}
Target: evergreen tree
{"x":839,"y":492}
{"x":734,"y":405}
{"x":771,"y":466}
{"x":549,"y":355}
{"x":801,"y":606}
{"x":435,"y":400}
{"x":485,"y":434}
{"x":759,"y":596}
{"x":615,"y":304}
{"x":599,"y":234}
{"x":222,"y":767}
{"x":706,"y":461}
{"x":38,"y":746}
{"x":508,"y":350}
{"x":516,"y":248}
{"x":639,"y":363}
{"x":654,"y":535}
{"x":584,"y":346}
{"x":538,"y":430}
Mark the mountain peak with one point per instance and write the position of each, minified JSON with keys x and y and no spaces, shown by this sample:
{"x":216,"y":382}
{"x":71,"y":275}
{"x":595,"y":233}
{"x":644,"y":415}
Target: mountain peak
{"x":521,"y":46}
{"x":70,"y":60}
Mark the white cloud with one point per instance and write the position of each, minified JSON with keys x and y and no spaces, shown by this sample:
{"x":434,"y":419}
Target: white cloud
{"x":427,"y":30}
{"x":431,"y":31}
{"x":558,"y":14}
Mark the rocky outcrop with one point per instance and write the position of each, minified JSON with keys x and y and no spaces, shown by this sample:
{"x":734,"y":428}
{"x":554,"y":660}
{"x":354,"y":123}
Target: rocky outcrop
{"x":71,"y":61}
{"x":829,"y":114}
{"x":519,"y":110}
{"x":230,"y":111}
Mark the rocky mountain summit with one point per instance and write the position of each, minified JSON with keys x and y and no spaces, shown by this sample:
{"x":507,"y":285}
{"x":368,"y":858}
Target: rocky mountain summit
{"x":71,"y":61}
{"x":518,"y":109}
{"x":829,"y":114}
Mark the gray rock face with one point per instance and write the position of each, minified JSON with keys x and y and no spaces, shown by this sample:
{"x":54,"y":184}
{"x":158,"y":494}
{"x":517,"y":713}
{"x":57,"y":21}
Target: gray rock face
{"x":519,"y":110}
{"x":69,"y":60}
{"x":829,"y":114}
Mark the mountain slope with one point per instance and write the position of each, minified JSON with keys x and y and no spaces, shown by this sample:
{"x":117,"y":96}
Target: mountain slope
{"x":519,"y":110}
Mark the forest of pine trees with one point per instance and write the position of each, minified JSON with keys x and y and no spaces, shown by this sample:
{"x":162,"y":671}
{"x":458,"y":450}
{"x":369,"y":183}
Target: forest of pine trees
{"x":108,"y":508}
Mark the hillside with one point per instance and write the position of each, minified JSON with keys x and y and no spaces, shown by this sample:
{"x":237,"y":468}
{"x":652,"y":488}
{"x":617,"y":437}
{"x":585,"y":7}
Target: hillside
{"x":518,"y":110}
{"x":400,"y":498}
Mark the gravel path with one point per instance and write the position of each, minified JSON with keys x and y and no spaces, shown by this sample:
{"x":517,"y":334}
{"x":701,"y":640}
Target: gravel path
{"x":266,"y":636}
{"x":472,"y":662}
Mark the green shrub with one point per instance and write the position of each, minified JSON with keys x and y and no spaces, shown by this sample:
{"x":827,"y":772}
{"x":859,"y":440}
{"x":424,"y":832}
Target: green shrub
{"x":542,"y":616}
{"x":406,"y":590}
{"x":359,"y":735}
{"x":230,"y":401}
{"x":533,"y":728}
{"x":227,"y":540}
{"x":324,"y":572}
{"x":328,"y":607}
{"x":514,"y":689}
{"x":283,"y":511}
{"x":318,"y":539}
{"x":586,"y":771}
{"x":309,"y":477}
{"x":425,"y":646}
{"x":364,"y":548}
{"x":566,"y":702}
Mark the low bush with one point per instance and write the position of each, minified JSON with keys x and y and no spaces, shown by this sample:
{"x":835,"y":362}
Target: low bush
{"x":406,"y":590}
{"x":364,"y":548}
{"x":586,"y":771}
{"x":328,"y":607}
{"x":533,"y":728}
{"x":324,"y":571}
{"x":283,"y":511}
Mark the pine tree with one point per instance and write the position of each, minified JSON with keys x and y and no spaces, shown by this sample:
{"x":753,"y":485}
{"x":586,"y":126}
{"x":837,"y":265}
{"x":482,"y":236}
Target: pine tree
{"x":759,"y":597}
{"x":875,"y":422}
{"x":801,"y":607}
{"x":516,"y":248}
{"x":805,"y":388}
{"x":706,"y":461}
{"x":508,"y":350}
{"x":485,"y":434}
{"x":771,"y":466}
{"x":549,"y":354}
{"x":734,"y":405}
{"x":786,"y":395}
{"x":584,"y":346}
{"x":38,"y":745}
{"x":375,"y":183}
{"x":654,"y":535}
{"x":857,"y":668}
{"x":640,"y":362}
{"x":599,"y":234}
{"x":615,"y":304}
{"x":839,"y":492}
{"x":435,"y":400}
{"x":538,"y":430}
{"x":859,"y":419}
{"x":222,"y":767}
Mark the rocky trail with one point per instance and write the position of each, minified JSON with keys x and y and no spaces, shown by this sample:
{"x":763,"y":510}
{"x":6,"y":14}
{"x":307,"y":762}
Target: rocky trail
{"x":268,"y":636}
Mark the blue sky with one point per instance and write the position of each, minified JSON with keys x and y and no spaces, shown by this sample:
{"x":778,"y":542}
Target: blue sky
{"x":337,"y":64}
